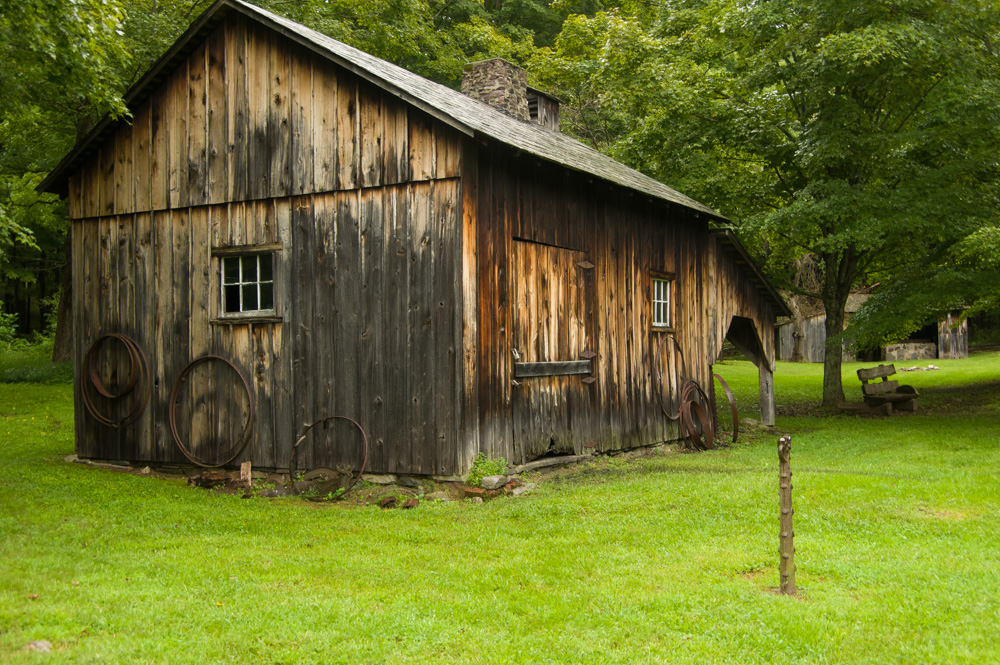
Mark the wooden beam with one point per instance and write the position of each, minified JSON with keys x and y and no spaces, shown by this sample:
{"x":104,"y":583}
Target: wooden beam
{"x":563,"y":368}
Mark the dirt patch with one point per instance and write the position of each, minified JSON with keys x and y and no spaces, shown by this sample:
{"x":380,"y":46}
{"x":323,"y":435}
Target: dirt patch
{"x":941,"y":514}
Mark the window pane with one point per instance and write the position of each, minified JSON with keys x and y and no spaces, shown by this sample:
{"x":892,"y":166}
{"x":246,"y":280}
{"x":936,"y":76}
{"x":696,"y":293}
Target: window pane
{"x":267,"y":296}
{"x":249,"y":297}
{"x":232,"y":298}
{"x":249,"y":269}
{"x":265,"y":267}
{"x":230,"y":270}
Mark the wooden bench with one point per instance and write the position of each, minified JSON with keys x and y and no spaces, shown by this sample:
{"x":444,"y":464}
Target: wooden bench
{"x":886,"y":395}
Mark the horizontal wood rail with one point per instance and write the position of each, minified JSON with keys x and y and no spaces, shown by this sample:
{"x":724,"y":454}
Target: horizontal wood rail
{"x":562,"y":368}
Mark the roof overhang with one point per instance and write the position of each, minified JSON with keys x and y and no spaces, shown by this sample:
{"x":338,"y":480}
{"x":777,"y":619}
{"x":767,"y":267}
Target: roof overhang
{"x":731,"y":244}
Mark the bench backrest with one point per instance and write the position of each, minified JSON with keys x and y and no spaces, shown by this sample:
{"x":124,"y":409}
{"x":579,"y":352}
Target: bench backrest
{"x":881,"y":387}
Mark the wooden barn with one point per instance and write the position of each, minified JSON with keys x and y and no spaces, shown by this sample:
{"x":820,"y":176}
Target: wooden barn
{"x":288,"y":229}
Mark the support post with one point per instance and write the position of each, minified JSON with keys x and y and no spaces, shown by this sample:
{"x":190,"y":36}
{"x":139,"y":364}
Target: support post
{"x":766,"y":380}
{"x":786,"y":567}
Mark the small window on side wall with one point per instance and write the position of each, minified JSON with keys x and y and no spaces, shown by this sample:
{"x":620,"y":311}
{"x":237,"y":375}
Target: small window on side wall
{"x":661,"y":286}
{"x":247,"y":284}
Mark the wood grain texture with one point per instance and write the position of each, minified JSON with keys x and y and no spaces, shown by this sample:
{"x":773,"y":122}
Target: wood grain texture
{"x":409,"y":266}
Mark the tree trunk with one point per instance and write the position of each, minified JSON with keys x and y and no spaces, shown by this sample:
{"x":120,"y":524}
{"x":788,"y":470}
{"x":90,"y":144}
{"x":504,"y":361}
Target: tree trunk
{"x":840,"y":271}
{"x":63,"y":342}
{"x":798,"y":330}
{"x":833,"y":386}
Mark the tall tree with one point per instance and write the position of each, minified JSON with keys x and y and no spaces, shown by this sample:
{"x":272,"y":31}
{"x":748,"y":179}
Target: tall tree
{"x":861,"y":132}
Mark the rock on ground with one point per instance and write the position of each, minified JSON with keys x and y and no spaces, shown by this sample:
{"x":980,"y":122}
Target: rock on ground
{"x":493,"y":482}
{"x":39,"y":645}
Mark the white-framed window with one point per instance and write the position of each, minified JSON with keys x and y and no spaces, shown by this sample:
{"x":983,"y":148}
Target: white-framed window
{"x":247,"y":284}
{"x":661,"y":301}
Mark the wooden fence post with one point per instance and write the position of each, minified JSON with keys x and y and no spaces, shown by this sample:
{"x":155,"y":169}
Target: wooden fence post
{"x":786,"y":568}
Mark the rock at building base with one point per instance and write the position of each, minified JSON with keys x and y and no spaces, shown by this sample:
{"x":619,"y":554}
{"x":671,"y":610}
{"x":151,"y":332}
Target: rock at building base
{"x":379,"y":479}
{"x":493,"y":482}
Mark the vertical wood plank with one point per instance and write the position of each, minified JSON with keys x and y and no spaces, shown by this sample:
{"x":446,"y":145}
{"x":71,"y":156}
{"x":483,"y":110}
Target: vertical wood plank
{"x":397,"y":288}
{"x":90,"y":185}
{"x":306,"y":366}
{"x":285,"y":429}
{"x":278,"y":119}
{"x":163,"y":334}
{"x":144,"y":321}
{"x":197,"y":146}
{"x":422,"y":331}
{"x":301,"y":118}
{"x":371,"y":131}
{"x":124,"y":174}
{"x":446,"y":236}
{"x":141,"y":157}
{"x":470,"y":310}
{"x":258,"y":96}
{"x":447,"y":152}
{"x":325,"y":345}
{"x":159,"y":164}
{"x":422,"y":146}
{"x":75,"y":202}
{"x":108,"y":157}
{"x":201,"y":388}
{"x":372,"y":388}
{"x":347,"y":277}
{"x":324,"y":127}
{"x":237,"y":110}
{"x":348,"y":151}
{"x":396,"y":140}
{"x":81,"y":339}
{"x":176,"y":117}
{"x":218,"y":91}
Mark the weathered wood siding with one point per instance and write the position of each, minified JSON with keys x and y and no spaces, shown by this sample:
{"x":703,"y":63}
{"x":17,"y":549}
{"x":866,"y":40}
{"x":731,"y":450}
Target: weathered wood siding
{"x":254,"y":141}
{"x":953,"y":337}
{"x":637,"y":369}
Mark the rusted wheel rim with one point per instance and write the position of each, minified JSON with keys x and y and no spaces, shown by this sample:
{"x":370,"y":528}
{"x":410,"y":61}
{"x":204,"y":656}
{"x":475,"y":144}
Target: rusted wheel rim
{"x":244,"y":438}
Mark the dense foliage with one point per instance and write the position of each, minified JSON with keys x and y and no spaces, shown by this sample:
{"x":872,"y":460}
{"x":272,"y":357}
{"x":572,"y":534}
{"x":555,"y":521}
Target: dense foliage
{"x":862,"y":134}
{"x":858,"y":135}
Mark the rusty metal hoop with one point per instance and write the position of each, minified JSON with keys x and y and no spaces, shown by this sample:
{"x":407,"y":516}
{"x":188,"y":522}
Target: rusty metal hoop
{"x":659,"y":378}
{"x":293,"y":456}
{"x":240,"y":444}
{"x":688,"y":404}
{"x":732,"y":407}
{"x":138,"y":376}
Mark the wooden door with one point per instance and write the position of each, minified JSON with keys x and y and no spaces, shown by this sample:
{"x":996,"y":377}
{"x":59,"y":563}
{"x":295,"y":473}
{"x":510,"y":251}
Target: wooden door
{"x":551,"y":342}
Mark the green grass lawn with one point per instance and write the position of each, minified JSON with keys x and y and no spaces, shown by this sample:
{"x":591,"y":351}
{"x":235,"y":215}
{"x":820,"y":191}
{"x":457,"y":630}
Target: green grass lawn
{"x":670,"y":559}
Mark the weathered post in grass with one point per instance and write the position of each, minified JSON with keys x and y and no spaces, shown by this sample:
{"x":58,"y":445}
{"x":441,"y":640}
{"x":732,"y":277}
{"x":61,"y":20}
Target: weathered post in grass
{"x":786,"y":568}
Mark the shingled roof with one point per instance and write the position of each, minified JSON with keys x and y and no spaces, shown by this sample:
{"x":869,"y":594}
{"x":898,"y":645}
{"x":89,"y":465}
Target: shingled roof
{"x":465,"y":114}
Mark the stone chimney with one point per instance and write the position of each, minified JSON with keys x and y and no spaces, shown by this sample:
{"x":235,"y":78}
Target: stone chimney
{"x":500,"y":84}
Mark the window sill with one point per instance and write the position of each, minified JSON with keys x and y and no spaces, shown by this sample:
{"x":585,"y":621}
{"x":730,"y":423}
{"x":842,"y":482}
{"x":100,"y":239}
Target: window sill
{"x":244,"y":320}
{"x":664,"y":329}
